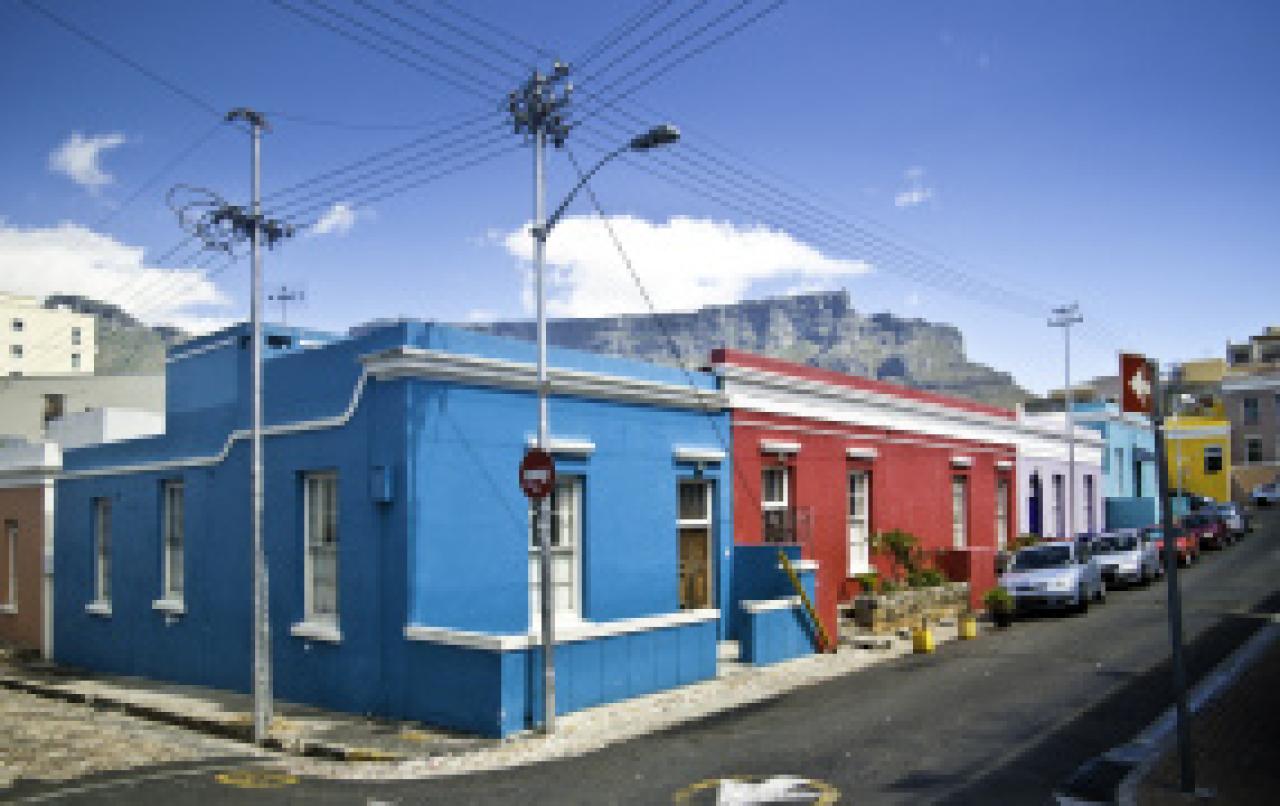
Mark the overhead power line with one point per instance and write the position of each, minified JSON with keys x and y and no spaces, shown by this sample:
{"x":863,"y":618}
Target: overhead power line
{"x":621,"y":32}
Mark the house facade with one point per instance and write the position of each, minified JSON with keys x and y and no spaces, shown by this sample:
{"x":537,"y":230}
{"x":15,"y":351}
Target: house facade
{"x":1130,"y":483}
{"x":26,"y":517}
{"x":828,"y":461}
{"x":401,"y":562}
{"x":1198,"y":448}
{"x":1045,"y":493}
{"x":1251,"y":398}
{"x":35,"y":340}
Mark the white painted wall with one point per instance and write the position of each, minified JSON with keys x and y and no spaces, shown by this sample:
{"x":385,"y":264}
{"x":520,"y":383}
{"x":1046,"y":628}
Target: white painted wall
{"x":51,"y":341}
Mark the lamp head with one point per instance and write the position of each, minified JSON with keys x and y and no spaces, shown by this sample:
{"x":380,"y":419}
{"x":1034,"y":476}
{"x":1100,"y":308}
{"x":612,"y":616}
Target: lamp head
{"x":664,"y":134}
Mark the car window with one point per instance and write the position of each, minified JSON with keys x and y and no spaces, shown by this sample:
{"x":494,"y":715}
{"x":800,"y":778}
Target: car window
{"x":1036,"y":557}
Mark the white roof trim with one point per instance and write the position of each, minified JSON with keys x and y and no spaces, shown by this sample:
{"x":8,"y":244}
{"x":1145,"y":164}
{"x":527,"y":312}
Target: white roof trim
{"x":962,"y":461}
{"x":861,"y":452}
{"x":568,"y":445}
{"x":1004,"y":464}
{"x":777,"y":446}
{"x":204,"y":348}
{"x":762,"y":605}
{"x":420,"y":362}
{"x":580,"y":631}
{"x":693,"y":453}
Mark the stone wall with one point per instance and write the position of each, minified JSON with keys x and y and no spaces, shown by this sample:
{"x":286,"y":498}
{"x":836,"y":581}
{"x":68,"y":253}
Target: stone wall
{"x":886,"y":613}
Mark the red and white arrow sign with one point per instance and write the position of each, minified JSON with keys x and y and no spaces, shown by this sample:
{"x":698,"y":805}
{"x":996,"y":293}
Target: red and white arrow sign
{"x":1136,"y":385}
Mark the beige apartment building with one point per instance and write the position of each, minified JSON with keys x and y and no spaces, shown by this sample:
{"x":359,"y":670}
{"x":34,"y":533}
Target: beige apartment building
{"x":35,"y":340}
{"x":1251,"y":394}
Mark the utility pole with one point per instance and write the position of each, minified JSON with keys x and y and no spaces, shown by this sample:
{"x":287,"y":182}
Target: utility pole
{"x":1160,"y":404}
{"x":1064,"y":317}
{"x":255,"y":227}
{"x":537,"y":111}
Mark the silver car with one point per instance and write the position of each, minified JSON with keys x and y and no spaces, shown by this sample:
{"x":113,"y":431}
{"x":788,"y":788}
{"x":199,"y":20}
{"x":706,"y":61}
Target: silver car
{"x":1234,"y":517}
{"x":1052,"y":575}
{"x":1126,"y":558}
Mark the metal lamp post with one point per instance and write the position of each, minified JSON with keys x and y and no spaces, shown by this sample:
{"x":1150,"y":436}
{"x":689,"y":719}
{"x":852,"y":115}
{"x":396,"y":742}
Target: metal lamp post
{"x":1064,"y":317}
{"x":537,"y":110}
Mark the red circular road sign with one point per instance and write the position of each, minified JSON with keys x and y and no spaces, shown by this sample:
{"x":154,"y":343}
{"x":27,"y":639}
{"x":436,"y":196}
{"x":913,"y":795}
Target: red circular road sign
{"x":537,"y":474}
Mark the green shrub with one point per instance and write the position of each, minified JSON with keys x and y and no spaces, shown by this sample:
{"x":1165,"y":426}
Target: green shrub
{"x":926,"y":578}
{"x":870,"y":582}
{"x":997,"y":599}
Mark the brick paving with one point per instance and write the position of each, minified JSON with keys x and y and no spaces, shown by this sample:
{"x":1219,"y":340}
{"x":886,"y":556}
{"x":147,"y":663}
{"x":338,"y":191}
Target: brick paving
{"x":52,"y":740}
{"x":1236,"y":740}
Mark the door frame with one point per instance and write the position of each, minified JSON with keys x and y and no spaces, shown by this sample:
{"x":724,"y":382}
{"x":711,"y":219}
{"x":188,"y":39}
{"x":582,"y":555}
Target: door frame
{"x":865,"y":475}
{"x":708,"y":524}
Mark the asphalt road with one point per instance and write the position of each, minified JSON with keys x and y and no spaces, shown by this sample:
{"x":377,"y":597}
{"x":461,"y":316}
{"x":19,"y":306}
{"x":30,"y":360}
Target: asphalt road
{"x":1005,"y":719}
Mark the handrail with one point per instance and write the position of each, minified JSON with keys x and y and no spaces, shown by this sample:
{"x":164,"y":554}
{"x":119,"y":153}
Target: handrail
{"x":824,"y":640}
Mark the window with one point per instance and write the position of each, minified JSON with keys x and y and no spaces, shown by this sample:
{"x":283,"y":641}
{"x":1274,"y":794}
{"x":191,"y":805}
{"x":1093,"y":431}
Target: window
{"x":859,"y":522}
{"x":75,"y":337}
{"x":18,"y":325}
{"x":1002,"y":514}
{"x":959,"y":511}
{"x":174,"y":537}
{"x":1212,"y":459}
{"x":775,"y":501}
{"x":75,"y":361}
{"x":55,"y":406}
{"x":102,"y":550}
{"x":1119,"y":465}
{"x":15,"y":350}
{"x":9,"y":594}
{"x":320,"y":592}
{"x":1250,"y":410}
{"x":1253,"y":450}
{"x":566,"y":543}
{"x":1090,"y":514}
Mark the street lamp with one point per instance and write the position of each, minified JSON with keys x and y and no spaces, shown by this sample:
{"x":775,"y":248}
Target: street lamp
{"x":1064,"y":317}
{"x":537,"y":110}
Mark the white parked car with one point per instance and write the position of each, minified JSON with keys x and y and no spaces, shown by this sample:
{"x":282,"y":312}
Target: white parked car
{"x":1058,"y":574}
{"x":1266,"y":494}
{"x":1126,"y":558}
{"x":1234,"y":516}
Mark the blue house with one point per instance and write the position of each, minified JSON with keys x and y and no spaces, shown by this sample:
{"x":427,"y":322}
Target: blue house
{"x":1129,"y":481}
{"x":402,"y":575}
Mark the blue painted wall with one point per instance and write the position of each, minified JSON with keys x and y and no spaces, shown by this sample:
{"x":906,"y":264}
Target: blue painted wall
{"x":1122,"y":479}
{"x":449,"y":549}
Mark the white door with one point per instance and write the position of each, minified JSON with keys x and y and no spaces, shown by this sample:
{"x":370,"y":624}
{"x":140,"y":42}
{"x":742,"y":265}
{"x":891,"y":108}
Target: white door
{"x":859,"y":524}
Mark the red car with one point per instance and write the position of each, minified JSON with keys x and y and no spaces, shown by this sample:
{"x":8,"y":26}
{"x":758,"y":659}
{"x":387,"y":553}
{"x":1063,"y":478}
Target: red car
{"x":1211,"y":530}
{"x":1185,"y":543}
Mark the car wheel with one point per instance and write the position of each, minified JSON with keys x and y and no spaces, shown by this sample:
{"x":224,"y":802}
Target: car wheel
{"x":1082,"y":601}
{"x":1101,"y":596}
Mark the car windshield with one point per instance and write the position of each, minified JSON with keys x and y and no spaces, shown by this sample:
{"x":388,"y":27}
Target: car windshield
{"x":1042,"y":557}
{"x":1194,"y":520}
{"x":1227,"y":509}
{"x":1112,"y":543}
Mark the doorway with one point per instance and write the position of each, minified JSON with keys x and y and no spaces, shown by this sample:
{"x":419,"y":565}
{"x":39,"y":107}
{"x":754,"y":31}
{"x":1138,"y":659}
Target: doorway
{"x":859,"y":522}
{"x":694,"y":524}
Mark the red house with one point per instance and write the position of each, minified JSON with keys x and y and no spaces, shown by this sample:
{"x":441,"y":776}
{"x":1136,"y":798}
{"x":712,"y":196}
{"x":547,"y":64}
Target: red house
{"x":828,"y":460}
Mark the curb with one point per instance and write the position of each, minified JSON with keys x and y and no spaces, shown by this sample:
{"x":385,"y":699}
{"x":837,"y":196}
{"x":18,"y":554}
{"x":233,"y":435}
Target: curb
{"x":1123,"y":767}
{"x":235,"y":731}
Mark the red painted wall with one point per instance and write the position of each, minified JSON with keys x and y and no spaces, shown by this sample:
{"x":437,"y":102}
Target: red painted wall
{"x":910,"y":490}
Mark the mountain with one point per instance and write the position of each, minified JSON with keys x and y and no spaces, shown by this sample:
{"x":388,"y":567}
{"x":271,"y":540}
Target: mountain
{"x":821,"y":330}
{"x":126,"y":346}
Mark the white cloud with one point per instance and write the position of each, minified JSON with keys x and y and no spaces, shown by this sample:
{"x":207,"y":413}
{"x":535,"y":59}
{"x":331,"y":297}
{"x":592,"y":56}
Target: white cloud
{"x":338,"y":220}
{"x":482,"y":315}
{"x":78,"y":158}
{"x":916,"y":191}
{"x":70,"y":259}
{"x":685,"y":263}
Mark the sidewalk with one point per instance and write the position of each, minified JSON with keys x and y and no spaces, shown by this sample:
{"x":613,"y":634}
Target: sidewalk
{"x":313,"y":741}
{"x":1236,"y":742}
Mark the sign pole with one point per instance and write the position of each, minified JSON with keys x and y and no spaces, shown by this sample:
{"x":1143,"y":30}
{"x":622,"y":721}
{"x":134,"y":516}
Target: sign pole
{"x":1186,"y":764}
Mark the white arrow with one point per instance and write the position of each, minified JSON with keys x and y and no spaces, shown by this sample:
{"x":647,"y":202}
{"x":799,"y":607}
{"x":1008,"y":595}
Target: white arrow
{"x":1140,"y":385}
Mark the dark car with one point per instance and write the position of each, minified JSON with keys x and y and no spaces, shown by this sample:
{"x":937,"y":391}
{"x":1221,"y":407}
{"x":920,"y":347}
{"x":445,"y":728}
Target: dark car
{"x":1208,"y":527}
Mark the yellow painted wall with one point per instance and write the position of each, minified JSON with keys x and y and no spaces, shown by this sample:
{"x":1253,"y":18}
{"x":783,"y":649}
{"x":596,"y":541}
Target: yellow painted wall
{"x":1187,"y":439}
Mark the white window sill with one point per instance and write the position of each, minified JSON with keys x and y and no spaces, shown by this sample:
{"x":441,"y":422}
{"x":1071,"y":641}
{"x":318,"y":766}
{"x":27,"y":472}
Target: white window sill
{"x":171,"y":607}
{"x":317,"y":631}
{"x":98,"y":608}
{"x":8,"y":609}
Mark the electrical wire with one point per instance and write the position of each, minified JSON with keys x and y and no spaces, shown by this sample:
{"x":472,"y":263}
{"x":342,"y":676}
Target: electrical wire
{"x":619,"y":33}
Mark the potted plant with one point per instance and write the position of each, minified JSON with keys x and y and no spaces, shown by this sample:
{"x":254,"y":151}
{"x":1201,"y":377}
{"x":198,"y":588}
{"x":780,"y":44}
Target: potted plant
{"x":967,"y":628}
{"x":1000,"y":605}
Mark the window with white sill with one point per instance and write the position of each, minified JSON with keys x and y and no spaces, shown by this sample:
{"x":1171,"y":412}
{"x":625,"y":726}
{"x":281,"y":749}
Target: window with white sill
{"x":102,"y":551}
{"x":320,"y":564}
{"x":566,"y":553}
{"x":173,"y":540}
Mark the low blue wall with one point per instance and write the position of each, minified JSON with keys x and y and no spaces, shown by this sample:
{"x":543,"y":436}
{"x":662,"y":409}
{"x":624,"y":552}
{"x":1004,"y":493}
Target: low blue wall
{"x":1130,"y":512}
{"x":756,"y":576}
{"x":770,"y":636}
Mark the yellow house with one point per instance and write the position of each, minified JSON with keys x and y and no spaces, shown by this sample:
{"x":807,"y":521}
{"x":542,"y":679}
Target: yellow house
{"x":1199,"y":454}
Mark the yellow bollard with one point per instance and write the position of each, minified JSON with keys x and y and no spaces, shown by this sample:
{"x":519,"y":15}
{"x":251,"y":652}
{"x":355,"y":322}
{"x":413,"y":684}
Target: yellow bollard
{"x":922,"y":639}
{"x":968,"y":627}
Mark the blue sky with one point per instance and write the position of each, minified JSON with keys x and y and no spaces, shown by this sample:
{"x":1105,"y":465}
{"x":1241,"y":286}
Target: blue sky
{"x":1119,"y":154}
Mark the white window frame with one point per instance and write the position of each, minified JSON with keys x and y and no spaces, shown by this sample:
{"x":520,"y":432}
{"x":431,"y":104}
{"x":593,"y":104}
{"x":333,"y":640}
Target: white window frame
{"x":707,"y":523}
{"x":102,"y":551}
{"x":173,"y":538}
{"x":324,"y":482}
{"x":75,"y":337}
{"x":1216,"y":452}
{"x":17,"y":325}
{"x":10,"y":603}
{"x":1059,"y":483}
{"x":15,"y":350}
{"x":75,"y":361}
{"x":959,"y":511}
{"x":767,"y":504}
{"x":1002,"y":513}
{"x":574,"y":485}
{"x":1090,"y":511}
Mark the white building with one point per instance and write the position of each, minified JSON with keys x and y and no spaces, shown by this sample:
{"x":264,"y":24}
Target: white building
{"x":35,"y":340}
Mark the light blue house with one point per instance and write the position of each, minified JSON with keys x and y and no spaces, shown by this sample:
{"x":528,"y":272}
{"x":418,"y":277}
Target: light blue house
{"x":1129,"y":482}
{"x":402,"y":580}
